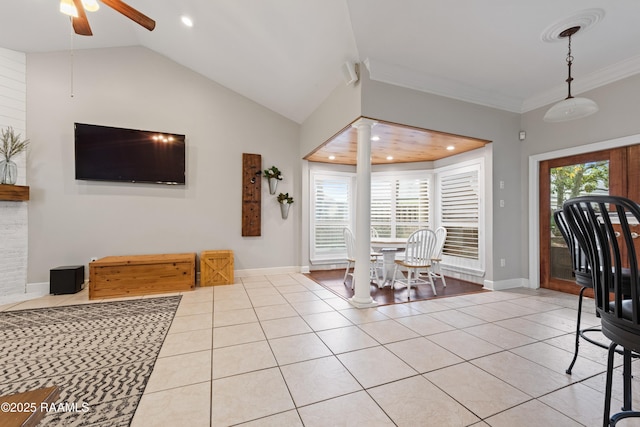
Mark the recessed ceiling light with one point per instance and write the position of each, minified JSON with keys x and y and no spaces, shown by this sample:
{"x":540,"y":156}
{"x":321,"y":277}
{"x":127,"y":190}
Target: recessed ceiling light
{"x":332,"y":157}
{"x":389,"y":157}
{"x":375,"y":138}
{"x":451,"y":148}
{"x":187,"y":21}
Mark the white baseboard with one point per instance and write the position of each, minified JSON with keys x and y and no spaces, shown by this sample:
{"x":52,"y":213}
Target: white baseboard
{"x":505,"y":284}
{"x":41,"y":288}
{"x":462,"y":276}
{"x":33,"y":290}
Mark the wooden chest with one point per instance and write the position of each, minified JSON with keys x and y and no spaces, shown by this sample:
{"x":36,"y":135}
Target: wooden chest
{"x":121,"y":276}
{"x":216,"y":268}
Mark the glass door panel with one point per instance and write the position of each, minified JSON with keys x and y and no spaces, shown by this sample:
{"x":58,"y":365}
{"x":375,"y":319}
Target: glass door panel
{"x":566,"y":182}
{"x":601,"y":172}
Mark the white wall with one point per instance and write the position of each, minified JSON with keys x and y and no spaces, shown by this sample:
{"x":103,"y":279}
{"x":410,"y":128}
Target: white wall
{"x":13,"y":215}
{"x":71,"y":221}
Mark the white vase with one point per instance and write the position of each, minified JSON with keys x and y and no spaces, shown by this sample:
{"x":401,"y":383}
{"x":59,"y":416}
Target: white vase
{"x":284,"y":210}
{"x":8,"y":172}
{"x":273,"y":184}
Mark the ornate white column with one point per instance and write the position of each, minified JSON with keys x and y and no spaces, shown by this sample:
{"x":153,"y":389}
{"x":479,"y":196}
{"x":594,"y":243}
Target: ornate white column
{"x":362,"y":295}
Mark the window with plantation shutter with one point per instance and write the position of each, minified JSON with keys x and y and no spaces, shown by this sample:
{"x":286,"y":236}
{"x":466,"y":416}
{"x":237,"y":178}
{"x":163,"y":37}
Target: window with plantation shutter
{"x":460,"y":209}
{"x":331,"y":211}
{"x":399,"y":204}
{"x":402,"y":202}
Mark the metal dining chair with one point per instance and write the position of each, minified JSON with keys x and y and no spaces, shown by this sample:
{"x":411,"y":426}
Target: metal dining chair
{"x":603,"y":228}
{"x":582,"y":274}
{"x":374,"y":233}
{"x":417,"y":256}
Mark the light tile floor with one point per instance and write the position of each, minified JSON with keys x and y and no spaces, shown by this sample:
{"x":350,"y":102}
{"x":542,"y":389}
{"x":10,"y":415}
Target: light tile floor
{"x":282,"y":351}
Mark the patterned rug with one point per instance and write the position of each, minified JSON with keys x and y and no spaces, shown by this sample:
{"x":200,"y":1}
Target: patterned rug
{"x":100,"y":356}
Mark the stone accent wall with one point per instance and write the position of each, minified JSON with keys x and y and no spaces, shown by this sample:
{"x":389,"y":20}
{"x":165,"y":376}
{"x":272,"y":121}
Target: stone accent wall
{"x":13,"y":215}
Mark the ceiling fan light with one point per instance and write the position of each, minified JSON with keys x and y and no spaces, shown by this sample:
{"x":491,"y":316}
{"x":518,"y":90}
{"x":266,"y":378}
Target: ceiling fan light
{"x":90,"y":5}
{"x":570,"y":109}
{"x":68,"y":8}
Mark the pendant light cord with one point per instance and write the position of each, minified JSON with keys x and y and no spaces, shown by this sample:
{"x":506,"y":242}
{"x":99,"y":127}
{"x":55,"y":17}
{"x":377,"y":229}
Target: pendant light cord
{"x":569,"y":63}
{"x":71,"y":58}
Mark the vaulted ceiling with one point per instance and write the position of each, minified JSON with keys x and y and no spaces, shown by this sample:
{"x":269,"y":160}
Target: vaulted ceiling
{"x":287,"y":54}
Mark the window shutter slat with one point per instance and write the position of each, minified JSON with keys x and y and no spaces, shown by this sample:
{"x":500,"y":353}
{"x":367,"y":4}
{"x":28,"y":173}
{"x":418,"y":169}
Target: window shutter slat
{"x":460,"y":214}
{"x":399,"y":204}
{"x":331,"y":213}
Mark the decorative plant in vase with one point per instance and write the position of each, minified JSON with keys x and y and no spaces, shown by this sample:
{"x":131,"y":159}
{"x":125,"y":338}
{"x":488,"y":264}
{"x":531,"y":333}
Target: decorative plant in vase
{"x":274,"y":175}
{"x":285,"y":202}
{"x":10,"y":145}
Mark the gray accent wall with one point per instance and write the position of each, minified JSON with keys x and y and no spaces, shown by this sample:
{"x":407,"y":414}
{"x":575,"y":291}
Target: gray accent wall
{"x":71,"y":221}
{"x":503,"y":225}
{"x":619,"y":117}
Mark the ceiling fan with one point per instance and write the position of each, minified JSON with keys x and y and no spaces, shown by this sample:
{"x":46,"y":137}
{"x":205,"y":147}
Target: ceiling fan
{"x":77,"y":8}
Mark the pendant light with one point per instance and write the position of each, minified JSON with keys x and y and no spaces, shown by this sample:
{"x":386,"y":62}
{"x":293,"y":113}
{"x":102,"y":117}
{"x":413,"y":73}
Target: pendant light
{"x":571,"y":108}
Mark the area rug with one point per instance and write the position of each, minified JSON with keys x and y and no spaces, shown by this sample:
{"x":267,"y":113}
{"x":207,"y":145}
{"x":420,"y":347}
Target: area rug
{"x":100,"y":355}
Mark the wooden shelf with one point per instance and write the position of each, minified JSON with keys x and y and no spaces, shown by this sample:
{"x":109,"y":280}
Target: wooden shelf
{"x":33,"y":400}
{"x":14,"y":193}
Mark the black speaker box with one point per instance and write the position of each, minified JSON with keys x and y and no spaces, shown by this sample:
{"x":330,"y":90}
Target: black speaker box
{"x":66,"y":280}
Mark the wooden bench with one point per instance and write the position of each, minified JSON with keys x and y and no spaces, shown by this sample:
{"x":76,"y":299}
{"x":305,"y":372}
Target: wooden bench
{"x":134,"y":275}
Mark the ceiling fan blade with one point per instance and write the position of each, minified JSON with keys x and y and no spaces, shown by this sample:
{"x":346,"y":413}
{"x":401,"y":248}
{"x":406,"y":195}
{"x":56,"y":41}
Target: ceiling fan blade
{"x":81,"y":23}
{"x":131,"y":13}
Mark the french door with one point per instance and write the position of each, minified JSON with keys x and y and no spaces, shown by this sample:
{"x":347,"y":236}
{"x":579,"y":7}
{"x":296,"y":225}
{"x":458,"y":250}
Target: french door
{"x":615,"y":172}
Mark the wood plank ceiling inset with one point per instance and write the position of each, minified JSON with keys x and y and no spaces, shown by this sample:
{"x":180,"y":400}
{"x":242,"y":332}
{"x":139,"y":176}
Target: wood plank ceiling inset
{"x":405,"y":144}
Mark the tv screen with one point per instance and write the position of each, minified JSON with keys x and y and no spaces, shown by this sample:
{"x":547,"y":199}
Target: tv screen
{"x":104,"y":153}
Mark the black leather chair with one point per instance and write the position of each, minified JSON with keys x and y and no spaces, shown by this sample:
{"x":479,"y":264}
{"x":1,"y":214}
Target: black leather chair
{"x":603,"y":227}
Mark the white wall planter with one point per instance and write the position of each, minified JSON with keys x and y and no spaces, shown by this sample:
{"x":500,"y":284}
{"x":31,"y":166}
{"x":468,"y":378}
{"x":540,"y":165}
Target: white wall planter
{"x":284,"y":210}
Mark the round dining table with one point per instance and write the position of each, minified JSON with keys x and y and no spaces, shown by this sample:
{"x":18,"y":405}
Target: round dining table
{"x":388,"y":247}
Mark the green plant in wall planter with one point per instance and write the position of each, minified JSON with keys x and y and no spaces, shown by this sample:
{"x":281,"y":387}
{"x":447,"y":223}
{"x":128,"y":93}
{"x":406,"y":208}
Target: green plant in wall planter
{"x":273,"y":175}
{"x":285,"y":203}
{"x":11,"y":145}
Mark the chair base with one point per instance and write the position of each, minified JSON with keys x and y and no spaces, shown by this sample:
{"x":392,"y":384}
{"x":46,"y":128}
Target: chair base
{"x":582,"y":333}
{"x":627,"y":411}
{"x":374,"y":277}
{"x":621,"y":416}
{"x":409,"y":283}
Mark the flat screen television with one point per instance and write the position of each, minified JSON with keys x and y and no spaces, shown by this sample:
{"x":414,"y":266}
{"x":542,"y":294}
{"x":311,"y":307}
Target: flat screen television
{"x":104,"y":153}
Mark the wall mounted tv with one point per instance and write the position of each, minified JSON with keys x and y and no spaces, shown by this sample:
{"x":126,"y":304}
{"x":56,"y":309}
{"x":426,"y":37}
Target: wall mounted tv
{"x":104,"y":153}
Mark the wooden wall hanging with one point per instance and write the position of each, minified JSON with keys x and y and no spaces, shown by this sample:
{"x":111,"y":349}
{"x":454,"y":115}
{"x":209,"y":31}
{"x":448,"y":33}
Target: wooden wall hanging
{"x":251,"y":194}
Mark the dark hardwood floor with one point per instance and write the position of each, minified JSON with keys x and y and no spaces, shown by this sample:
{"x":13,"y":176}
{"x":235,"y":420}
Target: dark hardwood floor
{"x":332,"y":280}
